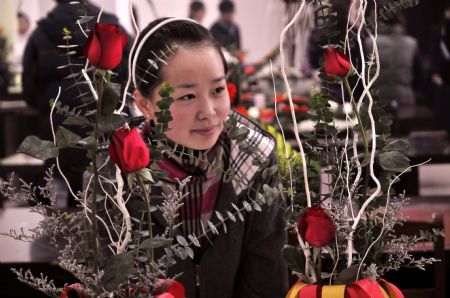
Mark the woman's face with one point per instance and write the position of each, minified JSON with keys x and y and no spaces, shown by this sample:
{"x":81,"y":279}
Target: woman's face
{"x":201,"y":101}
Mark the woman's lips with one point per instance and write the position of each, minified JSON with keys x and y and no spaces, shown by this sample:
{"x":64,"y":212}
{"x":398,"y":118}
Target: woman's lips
{"x":207,"y":131}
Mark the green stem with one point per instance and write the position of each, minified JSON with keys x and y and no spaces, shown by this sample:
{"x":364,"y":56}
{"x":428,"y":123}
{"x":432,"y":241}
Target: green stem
{"x":149,"y":214}
{"x":96,"y":181}
{"x":363,"y":133}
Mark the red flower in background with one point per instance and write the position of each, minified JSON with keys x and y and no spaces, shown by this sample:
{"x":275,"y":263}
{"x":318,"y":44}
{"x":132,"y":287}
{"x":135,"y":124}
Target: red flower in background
{"x":241,"y":110}
{"x":105,"y":46}
{"x":297,"y":108}
{"x":248,"y":70}
{"x":232,"y":92}
{"x":73,"y":290}
{"x":316,"y":227}
{"x":128,"y":150}
{"x":171,"y":288}
{"x":336,"y":63}
{"x":266,"y":115}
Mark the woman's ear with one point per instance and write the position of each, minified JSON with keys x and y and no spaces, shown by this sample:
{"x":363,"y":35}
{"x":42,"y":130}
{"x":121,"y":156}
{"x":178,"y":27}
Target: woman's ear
{"x":145,"y":105}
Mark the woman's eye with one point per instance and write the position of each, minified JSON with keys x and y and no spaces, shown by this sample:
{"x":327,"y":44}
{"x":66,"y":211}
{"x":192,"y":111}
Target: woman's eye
{"x":187,"y":97}
{"x":219,"y":90}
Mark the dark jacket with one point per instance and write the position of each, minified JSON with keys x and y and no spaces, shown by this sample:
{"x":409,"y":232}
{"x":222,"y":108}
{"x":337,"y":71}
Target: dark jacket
{"x":244,"y":262}
{"x":227,"y":34}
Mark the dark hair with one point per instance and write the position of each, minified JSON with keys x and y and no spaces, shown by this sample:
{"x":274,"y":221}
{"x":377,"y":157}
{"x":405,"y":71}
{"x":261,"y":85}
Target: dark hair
{"x":196,"y":6}
{"x":226,"y":6}
{"x":178,"y":33}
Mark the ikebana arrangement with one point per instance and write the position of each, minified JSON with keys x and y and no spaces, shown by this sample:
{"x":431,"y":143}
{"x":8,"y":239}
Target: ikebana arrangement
{"x":346,"y":234}
{"x":346,"y":239}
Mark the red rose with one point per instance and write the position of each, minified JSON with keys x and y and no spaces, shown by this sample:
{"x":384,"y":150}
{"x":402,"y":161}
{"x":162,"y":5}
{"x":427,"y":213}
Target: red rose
{"x":172,"y":289}
{"x":316,"y":227}
{"x":336,"y":63}
{"x":73,"y":290}
{"x":105,"y":45}
{"x":232,"y":91}
{"x":128,"y":150}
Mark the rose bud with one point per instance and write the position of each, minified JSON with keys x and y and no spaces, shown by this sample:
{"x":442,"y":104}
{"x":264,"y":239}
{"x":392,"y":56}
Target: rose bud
{"x":316,"y":227}
{"x":336,"y":63}
{"x":73,"y":290}
{"x":128,"y":150}
{"x":105,"y":46}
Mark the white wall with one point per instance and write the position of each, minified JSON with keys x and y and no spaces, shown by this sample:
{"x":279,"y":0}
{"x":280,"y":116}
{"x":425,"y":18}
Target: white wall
{"x":260,"y":20}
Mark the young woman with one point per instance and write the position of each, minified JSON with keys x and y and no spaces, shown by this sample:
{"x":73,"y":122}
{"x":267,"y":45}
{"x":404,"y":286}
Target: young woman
{"x":245,"y":260}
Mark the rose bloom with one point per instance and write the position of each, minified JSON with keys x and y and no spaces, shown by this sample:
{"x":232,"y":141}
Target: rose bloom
{"x":128,"y":150}
{"x":171,"y":288}
{"x":316,"y":227}
{"x":105,"y":46}
{"x":73,"y":290}
{"x":336,"y":63}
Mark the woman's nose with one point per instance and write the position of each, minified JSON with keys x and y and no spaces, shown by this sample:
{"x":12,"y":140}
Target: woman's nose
{"x":206,"y":108}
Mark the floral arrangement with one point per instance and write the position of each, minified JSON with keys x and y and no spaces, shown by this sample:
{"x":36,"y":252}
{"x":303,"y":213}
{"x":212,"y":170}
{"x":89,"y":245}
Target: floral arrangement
{"x":346,"y":234}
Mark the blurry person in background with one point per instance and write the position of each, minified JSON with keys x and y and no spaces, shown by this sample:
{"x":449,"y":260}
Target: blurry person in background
{"x":400,"y":66}
{"x":24,"y":26}
{"x":225,"y":30}
{"x":440,"y":74}
{"x":197,"y":11}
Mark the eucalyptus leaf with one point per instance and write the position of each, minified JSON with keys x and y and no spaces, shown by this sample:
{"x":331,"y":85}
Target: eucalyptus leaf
{"x":79,"y":120}
{"x":66,"y":138}
{"x":397,"y":145}
{"x":110,"y":123}
{"x":117,"y":270}
{"x":294,"y":258}
{"x":213,"y":228}
{"x":155,"y":242}
{"x":348,"y":275}
{"x":182,"y":240}
{"x":393,"y":161}
{"x":194,"y":240}
{"x":38,"y":148}
{"x":110,"y":98}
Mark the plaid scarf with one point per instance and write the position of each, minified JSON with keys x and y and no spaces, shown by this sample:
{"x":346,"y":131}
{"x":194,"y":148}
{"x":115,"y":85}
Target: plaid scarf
{"x":206,"y":169}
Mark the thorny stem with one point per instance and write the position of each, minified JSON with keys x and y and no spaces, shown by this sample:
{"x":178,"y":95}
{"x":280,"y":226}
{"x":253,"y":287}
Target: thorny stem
{"x":149,"y":215}
{"x":96,"y":180}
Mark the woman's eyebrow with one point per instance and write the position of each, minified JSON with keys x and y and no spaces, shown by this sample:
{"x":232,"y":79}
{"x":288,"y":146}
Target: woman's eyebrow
{"x":186,"y":85}
{"x":192,"y":85}
{"x":218,"y":79}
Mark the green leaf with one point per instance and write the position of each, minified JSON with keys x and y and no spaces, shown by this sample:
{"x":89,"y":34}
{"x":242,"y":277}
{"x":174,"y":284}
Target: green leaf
{"x":79,"y":120}
{"x":194,"y":240}
{"x":294,"y":258}
{"x":38,"y":148}
{"x":393,"y":161}
{"x":182,"y":240}
{"x":110,"y":123}
{"x":155,"y":242}
{"x":347,"y":276}
{"x":88,"y":142}
{"x":396,"y":145}
{"x":66,"y":138}
{"x":145,"y":175}
{"x":247,"y":206}
{"x":110,"y":98}
{"x":117,"y":270}
{"x":213,"y":228}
